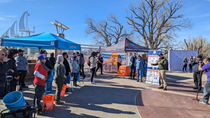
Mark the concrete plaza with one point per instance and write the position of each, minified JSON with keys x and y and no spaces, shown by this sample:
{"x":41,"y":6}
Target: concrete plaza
{"x":115,"y":96}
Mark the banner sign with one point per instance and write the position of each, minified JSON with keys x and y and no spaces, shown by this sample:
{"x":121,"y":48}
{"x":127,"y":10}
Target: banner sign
{"x":110,"y":61}
{"x":153,"y":71}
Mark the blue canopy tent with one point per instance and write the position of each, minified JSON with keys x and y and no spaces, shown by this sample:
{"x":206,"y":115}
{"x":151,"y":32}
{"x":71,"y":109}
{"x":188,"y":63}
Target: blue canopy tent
{"x":41,"y":41}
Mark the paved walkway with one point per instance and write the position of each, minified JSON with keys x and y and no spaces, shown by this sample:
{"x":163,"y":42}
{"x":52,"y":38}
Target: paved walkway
{"x":119,"y":97}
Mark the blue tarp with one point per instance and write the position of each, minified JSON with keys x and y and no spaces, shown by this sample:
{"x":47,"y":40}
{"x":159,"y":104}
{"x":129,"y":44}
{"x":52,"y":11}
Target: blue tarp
{"x":43,"y":41}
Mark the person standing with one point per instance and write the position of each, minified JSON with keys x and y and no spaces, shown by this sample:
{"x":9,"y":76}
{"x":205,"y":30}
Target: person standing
{"x":162,"y":65}
{"x":206,"y":68}
{"x":72,"y":58}
{"x":139,"y":67}
{"x":50,"y":73}
{"x":190,"y":61}
{"x":119,"y":62}
{"x":3,"y":71}
{"x":93,"y":62}
{"x":184,"y":64}
{"x":75,"y":70}
{"x":40,"y":78}
{"x":67,"y":68}
{"x":48,"y":63}
{"x":81,"y":65}
{"x":59,"y":76}
{"x":22,"y":67}
{"x":13,"y":69}
{"x":100,"y":63}
{"x":197,"y":75}
{"x":133,"y":66}
{"x":52,"y":60}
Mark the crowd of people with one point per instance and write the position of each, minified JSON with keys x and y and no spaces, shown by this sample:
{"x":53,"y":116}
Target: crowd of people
{"x":137,"y":64}
{"x":14,"y":65}
{"x":193,"y":63}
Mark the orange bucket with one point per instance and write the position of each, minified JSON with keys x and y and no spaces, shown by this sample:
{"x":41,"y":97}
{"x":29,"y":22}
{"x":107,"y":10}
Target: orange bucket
{"x":63,"y":91}
{"x":49,"y":102}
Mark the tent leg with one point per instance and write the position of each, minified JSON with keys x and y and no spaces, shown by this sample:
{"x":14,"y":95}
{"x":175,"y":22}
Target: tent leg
{"x":56,"y":53}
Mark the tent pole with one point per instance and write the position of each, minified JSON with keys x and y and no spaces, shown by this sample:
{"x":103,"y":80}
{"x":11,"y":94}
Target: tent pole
{"x":56,"y":53}
{"x":100,"y":49}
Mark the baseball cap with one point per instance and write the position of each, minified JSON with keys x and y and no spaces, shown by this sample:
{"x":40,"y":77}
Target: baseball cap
{"x":199,"y":56}
{"x":42,"y":56}
{"x":20,"y":50}
{"x":160,"y":54}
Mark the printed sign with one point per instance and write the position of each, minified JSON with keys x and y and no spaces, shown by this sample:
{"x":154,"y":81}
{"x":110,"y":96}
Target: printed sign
{"x":113,"y":58}
{"x":153,"y":71}
{"x":108,"y":65}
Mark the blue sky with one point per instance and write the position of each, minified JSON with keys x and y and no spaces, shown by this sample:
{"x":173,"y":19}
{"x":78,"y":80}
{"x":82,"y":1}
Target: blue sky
{"x":72,"y":13}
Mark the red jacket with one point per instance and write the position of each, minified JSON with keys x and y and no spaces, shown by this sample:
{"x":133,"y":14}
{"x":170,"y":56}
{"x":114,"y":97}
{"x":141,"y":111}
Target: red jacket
{"x":38,"y":81}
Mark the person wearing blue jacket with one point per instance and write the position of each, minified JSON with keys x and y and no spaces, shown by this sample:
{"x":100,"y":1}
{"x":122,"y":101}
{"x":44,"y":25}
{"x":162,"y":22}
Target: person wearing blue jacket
{"x":139,"y":67}
{"x":197,"y":75}
{"x":133,"y":65}
{"x":22,"y":67}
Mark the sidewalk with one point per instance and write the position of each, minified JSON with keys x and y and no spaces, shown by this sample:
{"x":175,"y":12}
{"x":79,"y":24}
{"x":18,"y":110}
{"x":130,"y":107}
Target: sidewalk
{"x":109,"y":98}
{"x":115,"y":96}
{"x":176,"y":102}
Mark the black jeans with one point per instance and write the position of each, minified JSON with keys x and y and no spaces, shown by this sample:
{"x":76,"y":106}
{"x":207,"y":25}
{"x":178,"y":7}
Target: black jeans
{"x":198,"y":80}
{"x":2,"y":91}
{"x":59,"y":85}
{"x":39,"y":91}
{"x":190,"y":67}
{"x":82,"y":70}
{"x":22,"y":74}
{"x":118,"y":65}
{"x":184,"y":68}
{"x":132,"y":71}
{"x":13,"y":84}
{"x":100,"y":66}
{"x":92,"y":73}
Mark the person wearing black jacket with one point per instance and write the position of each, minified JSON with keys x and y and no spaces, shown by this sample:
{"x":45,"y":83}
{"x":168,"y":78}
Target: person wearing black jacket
{"x":48,"y":63}
{"x":3,"y":71}
{"x":197,"y":75}
{"x":52,"y":60}
{"x":100,"y":63}
{"x":67,"y":67}
{"x":184,"y":69}
{"x":12,"y":69}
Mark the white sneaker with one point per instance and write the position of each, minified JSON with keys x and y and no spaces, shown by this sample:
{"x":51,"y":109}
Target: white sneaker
{"x":203,"y":102}
{"x":93,"y":82}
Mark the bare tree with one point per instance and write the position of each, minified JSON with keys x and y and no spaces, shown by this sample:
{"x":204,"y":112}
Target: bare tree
{"x":197,"y":43}
{"x":105,"y":32}
{"x":156,"y":21}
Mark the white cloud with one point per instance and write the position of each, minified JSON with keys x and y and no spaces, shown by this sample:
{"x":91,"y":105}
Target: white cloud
{"x":202,"y":15}
{"x":1,"y":18}
{"x":4,"y":1}
{"x":10,"y":16}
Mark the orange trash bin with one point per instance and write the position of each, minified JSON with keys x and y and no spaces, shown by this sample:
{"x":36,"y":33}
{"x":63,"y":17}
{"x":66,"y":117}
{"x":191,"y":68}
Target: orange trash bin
{"x":63,"y":91}
{"x":49,"y":102}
